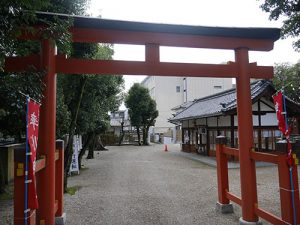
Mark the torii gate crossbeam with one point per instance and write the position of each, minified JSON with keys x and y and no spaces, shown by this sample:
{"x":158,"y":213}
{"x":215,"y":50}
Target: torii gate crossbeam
{"x":240,"y":40}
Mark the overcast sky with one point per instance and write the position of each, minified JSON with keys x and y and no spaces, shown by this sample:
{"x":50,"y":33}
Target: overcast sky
{"x":229,"y":13}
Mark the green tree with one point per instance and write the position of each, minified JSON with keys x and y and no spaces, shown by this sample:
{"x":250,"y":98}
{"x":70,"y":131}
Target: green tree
{"x":287,"y":77}
{"x":102,"y":95}
{"x":13,"y":103}
{"x":142,"y":110}
{"x":89,"y":98}
{"x":14,"y":16}
{"x":290,"y":10}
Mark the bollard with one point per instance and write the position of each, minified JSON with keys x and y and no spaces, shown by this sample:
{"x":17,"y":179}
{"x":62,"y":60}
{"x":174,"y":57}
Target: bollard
{"x":166,"y":148}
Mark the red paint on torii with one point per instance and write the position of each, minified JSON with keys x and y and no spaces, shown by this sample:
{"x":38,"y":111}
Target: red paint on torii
{"x":240,"y":40}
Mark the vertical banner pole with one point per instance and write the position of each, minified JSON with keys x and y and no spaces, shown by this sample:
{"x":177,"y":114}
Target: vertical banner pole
{"x":26,"y":165}
{"x":290,"y":156}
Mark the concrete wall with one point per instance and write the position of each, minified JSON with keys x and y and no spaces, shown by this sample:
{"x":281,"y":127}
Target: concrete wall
{"x":163,"y":91}
{"x":198,"y":87}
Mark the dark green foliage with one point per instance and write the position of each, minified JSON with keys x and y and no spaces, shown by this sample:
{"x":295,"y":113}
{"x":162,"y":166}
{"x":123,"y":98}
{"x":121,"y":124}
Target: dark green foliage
{"x":287,"y":77}
{"x":12,"y":20}
{"x":17,"y":15}
{"x":142,"y":109}
{"x":100,"y":93}
{"x":63,"y":115}
{"x":89,"y":98}
{"x":290,"y":10}
{"x":13,"y":103}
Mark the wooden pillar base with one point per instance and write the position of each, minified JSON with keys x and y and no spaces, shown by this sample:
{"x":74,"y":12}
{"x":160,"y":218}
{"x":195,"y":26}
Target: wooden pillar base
{"x":243,"y":222}
{"x":224,"y":208}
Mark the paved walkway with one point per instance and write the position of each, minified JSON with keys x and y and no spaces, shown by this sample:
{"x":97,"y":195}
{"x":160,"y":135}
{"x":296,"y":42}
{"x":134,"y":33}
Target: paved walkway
{"x":211,"y":161}
{"x":145,"y":185}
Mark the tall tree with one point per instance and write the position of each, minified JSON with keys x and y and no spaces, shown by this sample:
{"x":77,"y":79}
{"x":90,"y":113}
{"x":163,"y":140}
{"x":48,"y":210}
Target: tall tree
{"x":290,"y":11}
{"x":15,"y":16}
{"x":89,"y":98}
{"x":142,"y":110}
{"x":287,"y":77}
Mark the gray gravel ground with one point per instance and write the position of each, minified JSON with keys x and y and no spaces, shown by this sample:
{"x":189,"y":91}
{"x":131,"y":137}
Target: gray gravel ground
{"x":145,"y":185}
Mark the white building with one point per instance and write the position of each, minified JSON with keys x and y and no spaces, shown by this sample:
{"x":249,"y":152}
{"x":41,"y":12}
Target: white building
{"x":169,"y":92}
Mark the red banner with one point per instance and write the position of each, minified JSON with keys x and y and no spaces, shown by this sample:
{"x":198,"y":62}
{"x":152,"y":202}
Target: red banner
{"x":283,"y":127}
{"x":278,"y":102}
{"x":33,"y":130}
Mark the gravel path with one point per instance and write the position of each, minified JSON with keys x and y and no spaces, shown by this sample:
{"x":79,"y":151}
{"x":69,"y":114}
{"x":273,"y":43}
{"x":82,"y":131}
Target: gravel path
{"x":145,"y":185}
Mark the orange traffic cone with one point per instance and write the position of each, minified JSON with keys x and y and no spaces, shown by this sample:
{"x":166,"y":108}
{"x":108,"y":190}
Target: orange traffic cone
{"x":166,"y":148}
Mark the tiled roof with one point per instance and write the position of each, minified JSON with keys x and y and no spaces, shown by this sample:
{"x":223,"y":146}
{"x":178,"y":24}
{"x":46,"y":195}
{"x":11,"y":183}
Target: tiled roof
{"x":219,"y":104}
{"x":183,"y":106}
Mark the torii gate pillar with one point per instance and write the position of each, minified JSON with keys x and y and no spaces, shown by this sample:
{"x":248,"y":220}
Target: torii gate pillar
{"x":245,"y":134}
{"x":47,"y":131}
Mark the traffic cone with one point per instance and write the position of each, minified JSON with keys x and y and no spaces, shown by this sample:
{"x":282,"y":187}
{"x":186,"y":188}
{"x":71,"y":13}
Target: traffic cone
{"x":166,"y":148}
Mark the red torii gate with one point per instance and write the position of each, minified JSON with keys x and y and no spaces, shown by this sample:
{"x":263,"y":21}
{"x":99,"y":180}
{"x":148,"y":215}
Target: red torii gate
{"x":152,"y":36}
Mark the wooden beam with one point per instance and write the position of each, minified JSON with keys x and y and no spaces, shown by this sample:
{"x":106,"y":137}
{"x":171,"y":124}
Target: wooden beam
{"x":232,"y":131}
{"x":268,"y":216}
{"x":259,"y":125}
{"x":168,"y":39}
{"x":231,"y":151}
{"x":85,"y":66}
{"x":152,"y":53}
{"x":22,"y":64}
{"x":82,"y":66}
{"x":40,"y":164}
{"x":264,"y":157}
{"x":234,"y":198}
{"x":267,"y":104}
{"x":153,"y":67}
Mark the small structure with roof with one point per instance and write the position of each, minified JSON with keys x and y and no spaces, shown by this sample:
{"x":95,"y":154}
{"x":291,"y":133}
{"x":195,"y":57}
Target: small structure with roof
{"x":206,"y":118}
{"x":119,"y":122}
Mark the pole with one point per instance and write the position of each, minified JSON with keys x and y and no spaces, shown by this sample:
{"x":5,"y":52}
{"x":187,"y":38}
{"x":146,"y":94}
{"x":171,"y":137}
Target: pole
{"x":245,"y":132}
{"x":46,"y":145}
{"x":289,"y":154}
{"x":26,"y":166}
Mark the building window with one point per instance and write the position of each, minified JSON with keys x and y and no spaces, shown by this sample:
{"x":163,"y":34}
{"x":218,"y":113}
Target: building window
{"x":217,"y":87}
{"x":177,"y":88}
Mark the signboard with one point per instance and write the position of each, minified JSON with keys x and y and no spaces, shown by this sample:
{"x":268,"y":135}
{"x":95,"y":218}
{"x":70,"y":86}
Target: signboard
{"x":77,"y":145}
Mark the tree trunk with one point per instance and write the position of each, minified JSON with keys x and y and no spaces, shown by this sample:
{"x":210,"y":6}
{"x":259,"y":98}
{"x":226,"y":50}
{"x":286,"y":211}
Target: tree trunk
{"x":85,"y":147}
{"x":2,"y":177}
{"x":69,"y":146}
{"x":138,"y":134}
{"x":99,"y":144}
{"x":91,"y":147}
{"x":145,"y":136}
{"x":121,"y":133}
